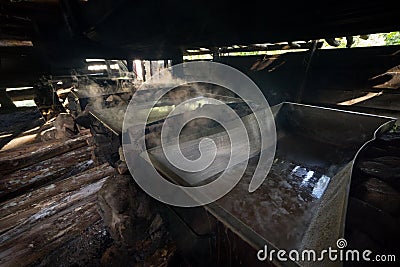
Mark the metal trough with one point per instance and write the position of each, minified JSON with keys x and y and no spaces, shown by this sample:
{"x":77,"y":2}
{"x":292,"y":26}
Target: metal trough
{"x":302,"y":202}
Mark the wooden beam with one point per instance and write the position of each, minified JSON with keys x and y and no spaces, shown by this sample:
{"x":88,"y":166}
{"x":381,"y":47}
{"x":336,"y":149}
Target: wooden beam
{"x":48,"y":170}
{"x":12,"y":160}
{"x":253,"y":48}
{"x":35,"y":224}
{"x":44,"y":237}
{"x":19,"y":95}
{"x":28,"y":201}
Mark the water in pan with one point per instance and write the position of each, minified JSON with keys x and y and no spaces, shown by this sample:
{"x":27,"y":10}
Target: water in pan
{"x":282,"y":208}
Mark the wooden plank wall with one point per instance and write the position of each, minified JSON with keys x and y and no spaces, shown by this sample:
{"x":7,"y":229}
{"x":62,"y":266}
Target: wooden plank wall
{"x":334,"y":76}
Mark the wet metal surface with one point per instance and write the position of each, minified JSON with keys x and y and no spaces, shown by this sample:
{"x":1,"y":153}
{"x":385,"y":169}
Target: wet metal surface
{"x":303,"y":200}
{"x":302,"y":203}
{"x":113,"y":117}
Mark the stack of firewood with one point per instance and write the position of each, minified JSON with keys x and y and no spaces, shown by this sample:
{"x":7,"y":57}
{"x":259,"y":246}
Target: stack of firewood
{"x":60,"y":205}
{"x":373,"y":215}
{"x":48,"y":194}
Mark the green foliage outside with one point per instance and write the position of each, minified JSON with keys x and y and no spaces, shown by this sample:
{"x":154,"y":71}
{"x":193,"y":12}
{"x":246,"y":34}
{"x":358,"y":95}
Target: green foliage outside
{"x":378,"y":39}
{"x":392,"y":38}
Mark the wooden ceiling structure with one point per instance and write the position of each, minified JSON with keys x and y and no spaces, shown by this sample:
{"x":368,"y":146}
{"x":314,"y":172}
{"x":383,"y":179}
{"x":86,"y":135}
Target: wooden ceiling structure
{"x":162,"y":29}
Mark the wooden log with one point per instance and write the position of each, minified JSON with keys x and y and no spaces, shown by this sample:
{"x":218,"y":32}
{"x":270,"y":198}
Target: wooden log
{"x":393,"y":138}
{"x":16,"y":152}
{"x":38,"y":174}
{"x":123,"y":207}
{"x":53,"y":207}
{"x":122,"y":168}
{"x":385,"y":168}
{"x":35,"y":224}
{"x":379,"y":194}
{"x":391,"y":162}
{"x":65,"y":125}
{"x":14,"y":212}
{"x":13,"y":160}
{"x":379,"y":225}
{"x":50,"y":233}
{"x":381,"y":151}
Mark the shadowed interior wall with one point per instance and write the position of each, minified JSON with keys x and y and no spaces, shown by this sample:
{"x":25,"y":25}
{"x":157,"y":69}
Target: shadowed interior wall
{"x":334,"y":76}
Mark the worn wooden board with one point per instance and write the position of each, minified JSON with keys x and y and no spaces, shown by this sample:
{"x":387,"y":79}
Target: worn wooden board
{"x":12,"y":160}
{"x":34,"y":224}
{"x":45,"y":171}
{"x":16,"y":209}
